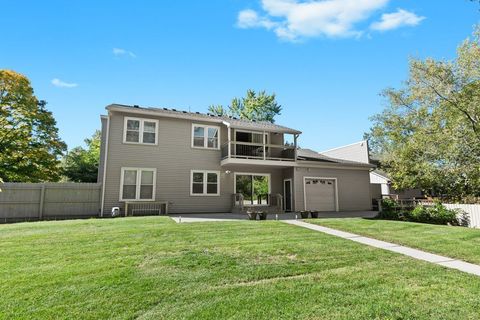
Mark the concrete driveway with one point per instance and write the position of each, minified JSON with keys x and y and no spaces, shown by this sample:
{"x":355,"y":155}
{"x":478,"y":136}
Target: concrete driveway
{"x":206,"y":217}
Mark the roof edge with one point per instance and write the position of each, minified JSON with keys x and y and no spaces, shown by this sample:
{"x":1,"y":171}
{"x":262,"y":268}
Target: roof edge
{"x":192,"y":116}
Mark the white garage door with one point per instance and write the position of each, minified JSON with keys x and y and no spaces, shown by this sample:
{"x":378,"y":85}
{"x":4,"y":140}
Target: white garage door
{"x":319,"y":194}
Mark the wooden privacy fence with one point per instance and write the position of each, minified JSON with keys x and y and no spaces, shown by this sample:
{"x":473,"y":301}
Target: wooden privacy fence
{"x":39,"y":201}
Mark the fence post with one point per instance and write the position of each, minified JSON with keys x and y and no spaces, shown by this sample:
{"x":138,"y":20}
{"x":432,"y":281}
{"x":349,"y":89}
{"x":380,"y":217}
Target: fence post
{"x":42,"y":199}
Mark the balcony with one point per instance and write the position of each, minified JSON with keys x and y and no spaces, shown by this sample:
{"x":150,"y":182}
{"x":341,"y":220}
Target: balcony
{"x":256,"y":152}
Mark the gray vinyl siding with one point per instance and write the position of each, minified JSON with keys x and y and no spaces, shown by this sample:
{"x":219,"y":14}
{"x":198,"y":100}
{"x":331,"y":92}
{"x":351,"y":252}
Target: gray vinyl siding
{"x":353,"y":187}
{"x":173,"y":158}
{"x":354,"y":152}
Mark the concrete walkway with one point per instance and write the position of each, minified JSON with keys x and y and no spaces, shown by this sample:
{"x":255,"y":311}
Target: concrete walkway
{"x":414,"y":253}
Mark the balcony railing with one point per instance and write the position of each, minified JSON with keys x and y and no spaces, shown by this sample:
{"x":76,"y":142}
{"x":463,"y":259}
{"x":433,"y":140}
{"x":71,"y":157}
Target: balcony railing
{"x":248,"y":150}
{"x":269,"y":200}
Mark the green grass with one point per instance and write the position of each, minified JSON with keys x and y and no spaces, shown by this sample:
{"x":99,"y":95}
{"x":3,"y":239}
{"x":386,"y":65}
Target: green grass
{"x":456,"y":242}
{"x":152,"y":268}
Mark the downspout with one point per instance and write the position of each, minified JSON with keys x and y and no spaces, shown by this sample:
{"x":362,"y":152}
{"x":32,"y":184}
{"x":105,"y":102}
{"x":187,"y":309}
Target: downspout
{"x":229,"y":144}
{"x":105,"y":164}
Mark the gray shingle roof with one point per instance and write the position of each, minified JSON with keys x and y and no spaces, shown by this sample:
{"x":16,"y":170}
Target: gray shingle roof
{"x":234,"y":122}
{"x":308,"y":154}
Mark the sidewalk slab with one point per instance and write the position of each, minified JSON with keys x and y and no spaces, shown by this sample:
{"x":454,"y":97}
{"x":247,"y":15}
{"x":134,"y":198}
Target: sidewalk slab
{"x":462,"y":266}
{"x":333,"y":232}
{"x":420,"y":255}
{"x":374,"y":242}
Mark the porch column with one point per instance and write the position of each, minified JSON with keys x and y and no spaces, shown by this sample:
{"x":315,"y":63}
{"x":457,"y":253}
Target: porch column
{"x":264,"y":148}
{"x":295,"y":136}
{"x":229,"y":135}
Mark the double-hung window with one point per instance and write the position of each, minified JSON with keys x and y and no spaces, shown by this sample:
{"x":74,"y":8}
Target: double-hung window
{"x":138,"y":184}
{"x":205,"y":183}
{"x":141,"y":131}
{"x":204,"y":136}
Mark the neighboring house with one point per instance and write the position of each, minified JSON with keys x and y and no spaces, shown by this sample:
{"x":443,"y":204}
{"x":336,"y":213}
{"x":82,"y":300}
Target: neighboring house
{"x":204,"y":163}
{"x":380,"y":183}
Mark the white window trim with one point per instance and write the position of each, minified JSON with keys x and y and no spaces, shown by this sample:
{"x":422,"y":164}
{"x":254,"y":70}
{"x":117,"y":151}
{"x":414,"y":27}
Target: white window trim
{"x":140,"y":132}
{"x":335,"y":181}
{"x":205,"y":136}
{"x":253,"y":174}
{"x":204,"y":194}
{"x":137,"y":183}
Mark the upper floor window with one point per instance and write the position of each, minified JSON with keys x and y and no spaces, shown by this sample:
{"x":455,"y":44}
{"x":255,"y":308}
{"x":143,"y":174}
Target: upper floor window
{"x":204,"y":136}
{"x":137,"y":184}
{"x":138,"y":130}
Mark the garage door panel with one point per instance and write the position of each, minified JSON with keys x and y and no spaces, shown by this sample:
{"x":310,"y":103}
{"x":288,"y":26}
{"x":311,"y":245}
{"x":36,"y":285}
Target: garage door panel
{"x":320,"y":194}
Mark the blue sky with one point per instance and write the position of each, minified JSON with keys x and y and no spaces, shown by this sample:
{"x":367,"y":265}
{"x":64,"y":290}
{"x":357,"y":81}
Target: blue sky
{"x":327,"y":62}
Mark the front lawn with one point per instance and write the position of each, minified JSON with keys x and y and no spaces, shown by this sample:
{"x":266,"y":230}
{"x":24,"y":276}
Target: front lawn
{"x":456,"y":242}
{"x":152,"y":268}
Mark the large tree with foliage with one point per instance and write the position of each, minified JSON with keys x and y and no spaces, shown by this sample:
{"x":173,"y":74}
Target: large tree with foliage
{"x":81,"y":165}
{"x":254,"y":106}
{"x":30,"y":147}
{"x":429,"y":134}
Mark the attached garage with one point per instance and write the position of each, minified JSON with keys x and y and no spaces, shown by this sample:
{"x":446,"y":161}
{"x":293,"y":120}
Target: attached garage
{"x":320,"y":194}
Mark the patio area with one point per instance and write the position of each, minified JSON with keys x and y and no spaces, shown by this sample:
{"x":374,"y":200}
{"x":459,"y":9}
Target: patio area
{"x":207,"y":217}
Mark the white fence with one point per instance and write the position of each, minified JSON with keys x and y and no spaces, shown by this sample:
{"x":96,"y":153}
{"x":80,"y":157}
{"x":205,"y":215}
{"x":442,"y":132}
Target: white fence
{"x":473,"y":211}
{"x":38,"y":201}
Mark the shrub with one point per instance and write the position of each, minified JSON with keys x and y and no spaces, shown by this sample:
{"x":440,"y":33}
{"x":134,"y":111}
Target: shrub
{"x":436,"y":214}
{"x":389,"y":210}
{"x":419,"y":214}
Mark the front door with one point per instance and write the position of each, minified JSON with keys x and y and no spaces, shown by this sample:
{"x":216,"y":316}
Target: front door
{"x":287,"y":194}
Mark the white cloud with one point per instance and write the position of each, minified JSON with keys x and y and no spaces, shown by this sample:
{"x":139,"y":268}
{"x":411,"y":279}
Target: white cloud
{"x":122,"y":52}
{"x":396,"y":20}
{"x":250,"y":19}
{"x":295,"y":19}
{"x":61,"y":84}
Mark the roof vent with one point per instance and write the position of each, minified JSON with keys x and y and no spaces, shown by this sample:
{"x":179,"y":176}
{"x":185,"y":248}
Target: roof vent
{"x":174,"y":109}
{"x":136,"y":106}
{"x":165,"y":109}
{"x":184,"y":111}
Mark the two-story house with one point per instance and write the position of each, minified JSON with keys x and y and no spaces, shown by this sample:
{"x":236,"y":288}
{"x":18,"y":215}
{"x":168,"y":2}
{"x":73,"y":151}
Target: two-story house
{"x":196,"y":162}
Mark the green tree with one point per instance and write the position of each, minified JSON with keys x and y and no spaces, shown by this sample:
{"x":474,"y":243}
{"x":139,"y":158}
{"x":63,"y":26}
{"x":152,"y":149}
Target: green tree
{"x":81,"y":165}
{"x":254,"y":106}
{"x":428,"y":136}
{"x":30,"y":147}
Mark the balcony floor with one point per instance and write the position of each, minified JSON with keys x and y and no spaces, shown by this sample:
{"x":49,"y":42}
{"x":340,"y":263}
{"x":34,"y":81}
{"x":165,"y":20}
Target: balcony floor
{"x":259,"y":162}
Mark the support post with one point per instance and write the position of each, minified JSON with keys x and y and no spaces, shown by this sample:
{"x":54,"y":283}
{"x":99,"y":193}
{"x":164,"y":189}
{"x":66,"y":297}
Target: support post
{"x":229,"y":141}
{"x":264,"y":148}
{"x":295,"y":136}
{"x":42,"y":200}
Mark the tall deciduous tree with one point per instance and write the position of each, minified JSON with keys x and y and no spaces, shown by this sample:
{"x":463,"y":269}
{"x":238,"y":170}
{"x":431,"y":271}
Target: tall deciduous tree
{"x":81,"y":165}
{"x":429,"y":134}
{"x":30,"y":147}
{"x":254,"y":106}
